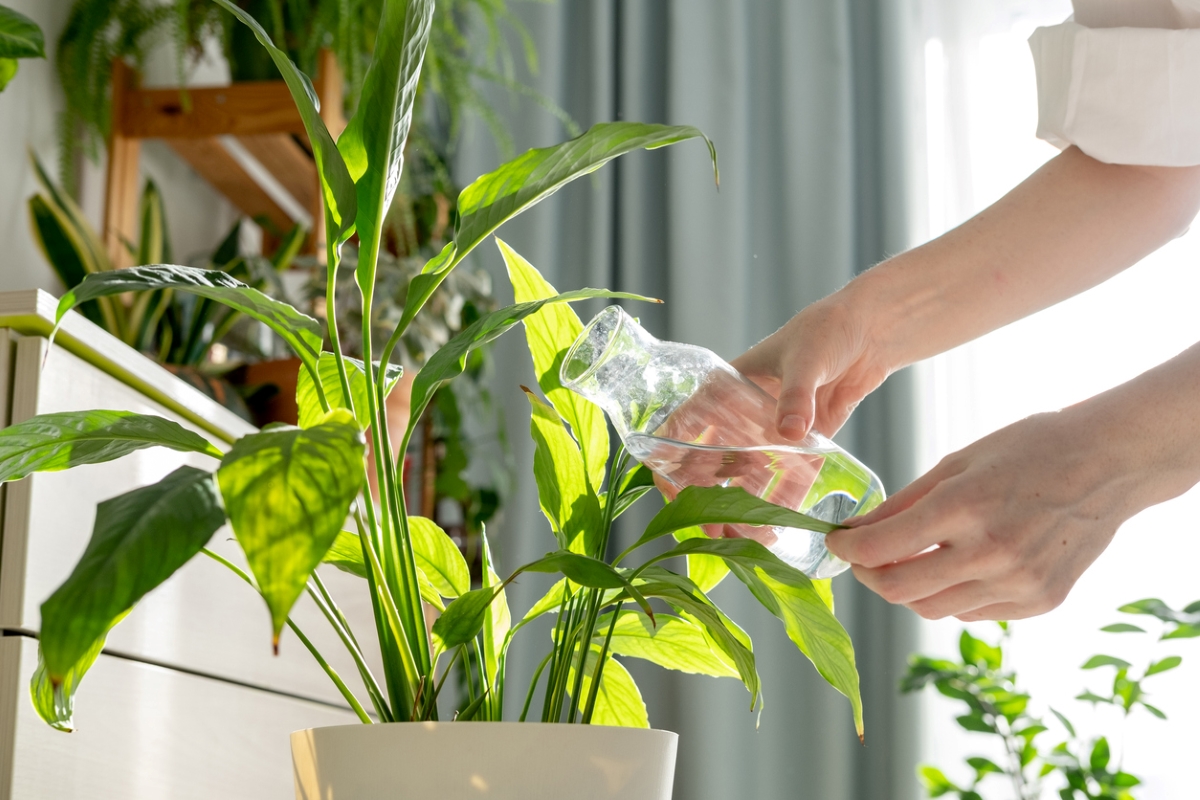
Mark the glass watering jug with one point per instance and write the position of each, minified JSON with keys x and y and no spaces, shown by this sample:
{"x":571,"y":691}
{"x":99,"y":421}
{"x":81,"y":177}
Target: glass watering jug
{"x":693,"y":419}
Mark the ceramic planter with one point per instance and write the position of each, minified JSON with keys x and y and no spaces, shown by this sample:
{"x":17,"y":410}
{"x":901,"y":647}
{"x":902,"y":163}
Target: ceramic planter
{"x":494,"y":760}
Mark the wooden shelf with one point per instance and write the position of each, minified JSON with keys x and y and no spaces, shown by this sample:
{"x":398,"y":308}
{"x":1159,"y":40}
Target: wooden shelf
{"x":246,"y":139}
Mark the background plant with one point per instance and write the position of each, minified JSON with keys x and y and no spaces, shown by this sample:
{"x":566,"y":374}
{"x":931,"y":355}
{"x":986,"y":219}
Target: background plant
{"x":997,"y":706}
{"x":287,"y":491}
{"x":20,"y":37}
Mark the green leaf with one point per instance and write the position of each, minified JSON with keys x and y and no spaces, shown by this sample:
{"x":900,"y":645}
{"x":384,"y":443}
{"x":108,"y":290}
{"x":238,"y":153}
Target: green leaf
{"x":983,"y":767}
{"x":676,"y":643}
{"x":309,"y":404}
{"x":451,"y":359}
{"x":1100,"y":755}
{"x":1122,"y":627}
{"x":979,"y":653}
{"x":20,"y":37}
{"x":1091,"y":697}
{"x":337,"y":187}
{"x":618,"y":701}
{"x":974,"y":722}
{"x":373,"y":142}
{"x":706,"y":571}
{"x":346,"y":554}
{"x":549,"y":333}
{"x":139,"y":540}
{"x":587,"y":571}
{"x":791,"y":596}
{"x":935,"y":781}
{"x":302,"y":333}
{"x":701,"y":505}
{"x":1066,"y":723}
{"x":56,"y":704}
{"x":1183,"y":631}
{"x":8,"y":70}
{"x":1154,"y":710}
{"x":564,"y":493}
{"x":686,"y":598}
{"x":1105,"y":661}
{"x":1170,"y":662}
{"x":439,"y":557}
{"x":521,"y":183}
{"x":57,"y":243}
{"x":288,"y":490}
{"x":497,"y":619}
{"x":52,"y":442}
{"x":1155,"y":608}
{"x":464,"y":618}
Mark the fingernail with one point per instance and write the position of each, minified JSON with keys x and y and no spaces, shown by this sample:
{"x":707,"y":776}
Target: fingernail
{"x":793,"y":423}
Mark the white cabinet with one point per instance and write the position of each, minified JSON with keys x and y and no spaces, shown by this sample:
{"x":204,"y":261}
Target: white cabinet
{"x":189,"y":700}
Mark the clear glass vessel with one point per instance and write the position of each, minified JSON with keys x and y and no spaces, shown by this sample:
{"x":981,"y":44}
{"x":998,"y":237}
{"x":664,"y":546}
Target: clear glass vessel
{"x":696,"y":421}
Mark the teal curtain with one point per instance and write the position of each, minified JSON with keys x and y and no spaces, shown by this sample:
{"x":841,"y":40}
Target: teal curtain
{"x":806,"y":102}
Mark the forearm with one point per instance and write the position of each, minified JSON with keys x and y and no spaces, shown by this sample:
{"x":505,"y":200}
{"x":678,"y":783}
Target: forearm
{"x":1071,"y":225}
{"x":1140,"y":441}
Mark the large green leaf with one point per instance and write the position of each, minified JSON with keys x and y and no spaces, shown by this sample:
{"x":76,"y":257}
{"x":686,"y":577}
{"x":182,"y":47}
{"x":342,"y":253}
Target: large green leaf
{"x":464,"y":618}
{"x":706,"y":571}
{"x":288,"y":490}
{"x":55,"y":704}
{"x":58,"y":246}
{"x":451,"y":358}
{"x":373,"y":142}
{"x":674,"y":643}
{"x":337,"y":187}
{"x":525,"y":181}
{"x":550,"y":333}
{"x":302,"y":333}
{"x":788,"y":594}
{"x":309,"y":404}
{"x":439,"y":557}
{"x":685,"y":597}
{"x":52,"y":442}
{"x":20,"y":37}
{"x":618,"y":701}
{"x":564,"y":492}
{"x":139,"y":540}
{"x":703,"y":505}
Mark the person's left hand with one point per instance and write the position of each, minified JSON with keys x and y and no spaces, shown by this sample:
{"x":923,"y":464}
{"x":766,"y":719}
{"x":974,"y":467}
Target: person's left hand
{"x":999,"y":530}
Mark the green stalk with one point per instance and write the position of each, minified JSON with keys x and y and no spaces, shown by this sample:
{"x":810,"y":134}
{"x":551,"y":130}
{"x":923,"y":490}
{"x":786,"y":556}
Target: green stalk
{"x":316,"y":654}
{"x":588,"y":629}
{"x":316,"y":589}
{"x":564,"y":608}
{"x":533,"y":684}
{"x":594,"y":689}
{"x":333,"y":259}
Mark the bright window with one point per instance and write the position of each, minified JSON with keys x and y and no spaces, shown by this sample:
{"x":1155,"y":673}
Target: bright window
{"x":980,"y":117}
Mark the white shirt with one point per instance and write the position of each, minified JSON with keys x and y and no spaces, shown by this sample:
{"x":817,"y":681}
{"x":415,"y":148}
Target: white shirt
{"x":1121,"y":80}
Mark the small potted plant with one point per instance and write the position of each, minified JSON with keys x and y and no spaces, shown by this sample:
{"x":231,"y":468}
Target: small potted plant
{"x":288,"y":491}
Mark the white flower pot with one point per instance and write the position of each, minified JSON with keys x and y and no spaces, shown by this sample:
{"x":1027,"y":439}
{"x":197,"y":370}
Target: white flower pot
{"x":494,"y":760}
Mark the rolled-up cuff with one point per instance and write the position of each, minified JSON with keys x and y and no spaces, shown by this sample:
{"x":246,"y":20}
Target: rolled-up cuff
{"x":1122,"y":95}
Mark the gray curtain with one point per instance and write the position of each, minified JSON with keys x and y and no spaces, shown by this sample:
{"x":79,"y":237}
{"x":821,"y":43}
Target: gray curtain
{"x":805,"y":100}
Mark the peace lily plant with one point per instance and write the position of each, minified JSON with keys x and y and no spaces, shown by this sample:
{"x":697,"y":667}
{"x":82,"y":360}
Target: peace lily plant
{"x":288,"y":492}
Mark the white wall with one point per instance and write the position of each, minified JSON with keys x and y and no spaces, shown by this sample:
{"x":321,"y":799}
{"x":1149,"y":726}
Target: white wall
{"x":29,"y":109}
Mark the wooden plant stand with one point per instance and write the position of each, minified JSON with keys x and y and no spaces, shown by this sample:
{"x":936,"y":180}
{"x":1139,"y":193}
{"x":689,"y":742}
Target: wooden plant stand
{"x":246,"y":139}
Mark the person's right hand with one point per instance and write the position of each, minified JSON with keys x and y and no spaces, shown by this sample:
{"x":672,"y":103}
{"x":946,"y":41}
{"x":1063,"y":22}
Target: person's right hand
{"x":819,"y":366}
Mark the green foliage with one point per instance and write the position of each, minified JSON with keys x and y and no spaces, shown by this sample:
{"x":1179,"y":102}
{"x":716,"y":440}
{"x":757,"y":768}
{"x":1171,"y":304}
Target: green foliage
{"x":288,"y":491}
{"x":20,"y":37}
{"x":1084,"y":769}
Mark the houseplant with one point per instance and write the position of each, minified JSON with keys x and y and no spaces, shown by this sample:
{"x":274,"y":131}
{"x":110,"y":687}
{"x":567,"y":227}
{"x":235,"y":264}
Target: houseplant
{"x":287,"y":491}
{"x":997,"y":707}
{"x":20,"y":37}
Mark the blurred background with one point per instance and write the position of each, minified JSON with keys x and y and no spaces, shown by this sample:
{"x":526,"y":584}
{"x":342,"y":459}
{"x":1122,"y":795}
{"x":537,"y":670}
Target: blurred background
{"x":848,"y":130}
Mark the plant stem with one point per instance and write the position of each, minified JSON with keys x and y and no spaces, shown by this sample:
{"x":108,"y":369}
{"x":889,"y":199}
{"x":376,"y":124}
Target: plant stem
{"x":533,"y":684}
{"x":316,"y":590}
{"x":594,"y":689}
{"x":316,"y":654}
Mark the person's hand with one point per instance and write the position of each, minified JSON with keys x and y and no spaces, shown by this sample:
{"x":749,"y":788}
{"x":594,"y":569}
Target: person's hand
{"x":819,"y":365}
{"x":999,"y":530}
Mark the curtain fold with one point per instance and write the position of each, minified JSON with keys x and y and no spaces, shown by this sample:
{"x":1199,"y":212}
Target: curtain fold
{"x":806,"y":104}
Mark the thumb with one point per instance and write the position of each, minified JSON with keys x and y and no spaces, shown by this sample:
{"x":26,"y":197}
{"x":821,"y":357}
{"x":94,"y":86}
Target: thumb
{"x":796,"y":408}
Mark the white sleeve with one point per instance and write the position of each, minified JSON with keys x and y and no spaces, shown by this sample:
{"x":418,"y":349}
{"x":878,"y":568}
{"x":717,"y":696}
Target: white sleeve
{"x":1122,"y":95}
